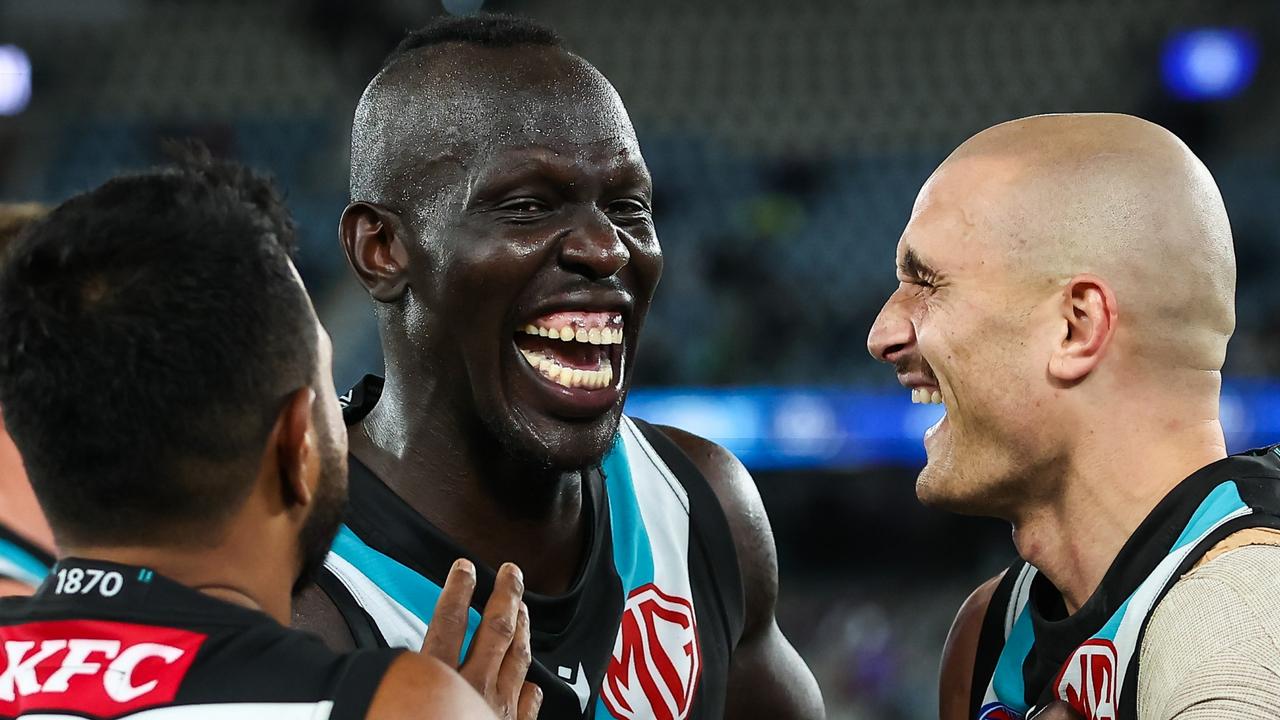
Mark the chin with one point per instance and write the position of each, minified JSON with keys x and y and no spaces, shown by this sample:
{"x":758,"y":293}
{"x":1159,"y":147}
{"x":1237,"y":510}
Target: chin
{"x":944,"y":491}
{"x":562,"y":445}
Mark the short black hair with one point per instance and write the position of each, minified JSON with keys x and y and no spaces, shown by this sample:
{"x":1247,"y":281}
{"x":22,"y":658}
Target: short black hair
{"x":491,"y":30}
{"x":150,"y":331}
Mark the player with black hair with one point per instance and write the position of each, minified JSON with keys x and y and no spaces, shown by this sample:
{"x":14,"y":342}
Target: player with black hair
{"x":167,"y":381}
{"x":26,"y":543}
{"x":501,"y":218}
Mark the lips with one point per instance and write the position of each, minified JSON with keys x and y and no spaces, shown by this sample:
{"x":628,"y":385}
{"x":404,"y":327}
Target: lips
{"x":575,"y":357}
{"x":574,"y":349}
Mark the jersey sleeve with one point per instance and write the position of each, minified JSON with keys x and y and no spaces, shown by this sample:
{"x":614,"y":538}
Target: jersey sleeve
{"x":357,"y":680}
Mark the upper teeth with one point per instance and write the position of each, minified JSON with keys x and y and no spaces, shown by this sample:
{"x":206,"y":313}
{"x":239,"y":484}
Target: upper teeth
{"x":926,"y":396}
{"x":569,"y":333}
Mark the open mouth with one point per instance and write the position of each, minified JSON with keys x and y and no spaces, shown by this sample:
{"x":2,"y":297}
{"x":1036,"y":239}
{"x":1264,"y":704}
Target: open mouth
{"x":574,"y":349}
{"x":926,"y":396}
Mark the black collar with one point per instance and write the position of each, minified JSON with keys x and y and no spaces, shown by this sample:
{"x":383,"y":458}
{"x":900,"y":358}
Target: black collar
{"x":98,"y":587}
{"x":387,"y":523}
{"x":1057,"y":635}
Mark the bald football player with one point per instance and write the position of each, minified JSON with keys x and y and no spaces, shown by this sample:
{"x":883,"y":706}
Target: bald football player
{"x":502,"y":222}
{"x":1066,"y":290}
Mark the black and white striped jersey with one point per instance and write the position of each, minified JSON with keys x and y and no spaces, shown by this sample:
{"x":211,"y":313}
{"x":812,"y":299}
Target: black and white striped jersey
{"x":101,"y":640}
{"x":649,"y":627}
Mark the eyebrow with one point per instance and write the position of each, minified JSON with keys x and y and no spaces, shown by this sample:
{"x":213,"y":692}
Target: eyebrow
{"x":913,"y":266}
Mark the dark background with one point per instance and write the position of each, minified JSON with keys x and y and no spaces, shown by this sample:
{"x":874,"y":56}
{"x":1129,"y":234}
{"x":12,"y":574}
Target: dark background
{"x":787,"y":141}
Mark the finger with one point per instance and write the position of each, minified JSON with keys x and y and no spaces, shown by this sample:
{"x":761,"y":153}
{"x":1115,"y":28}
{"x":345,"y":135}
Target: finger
{"x":516,"y":662}
{"x":448,"y":627}
{"x":1057,"y":711}
{"x":496,"y":632}
{"x":530,"y":702}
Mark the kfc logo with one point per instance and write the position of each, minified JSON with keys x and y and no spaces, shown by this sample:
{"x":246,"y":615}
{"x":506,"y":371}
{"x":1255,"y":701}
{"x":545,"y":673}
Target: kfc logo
{"x":1087,"y":681}
{"x":93,"y":667}
{"x":656,"y":660}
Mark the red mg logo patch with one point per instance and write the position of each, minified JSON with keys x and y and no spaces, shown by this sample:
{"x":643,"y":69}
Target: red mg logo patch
{"x":1088,"y":680}
{"x":92,"y":667}
{"x":656,"y":660}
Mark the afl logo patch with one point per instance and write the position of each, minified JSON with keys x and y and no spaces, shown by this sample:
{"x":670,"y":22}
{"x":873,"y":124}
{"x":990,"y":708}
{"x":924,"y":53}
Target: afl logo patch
{"x":1087,"y":681}
{"x":998,"y":711}
{"x":656,"y":660}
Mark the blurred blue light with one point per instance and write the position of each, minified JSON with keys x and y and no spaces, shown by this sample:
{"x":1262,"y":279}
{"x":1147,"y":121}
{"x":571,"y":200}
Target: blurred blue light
{"x":771,"y":428}
{"x":1209,"y":63}
{"x":15,"y":80}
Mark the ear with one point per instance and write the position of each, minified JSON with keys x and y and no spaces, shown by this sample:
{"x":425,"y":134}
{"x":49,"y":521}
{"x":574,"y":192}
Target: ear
{"x":1089,"y":310}
{"x":296,"y":449}
{"x":370,"y":237}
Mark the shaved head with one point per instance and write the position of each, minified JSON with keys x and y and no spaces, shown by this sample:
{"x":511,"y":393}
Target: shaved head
{"x":1063,"y":278}
{"x":438,"y":107}
{"x":496,"y":178}
{"x":1117,"y":197}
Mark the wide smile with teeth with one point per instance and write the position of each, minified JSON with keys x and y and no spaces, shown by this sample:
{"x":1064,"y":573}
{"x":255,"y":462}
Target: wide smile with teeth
{"x":574,"y":349}
{"x":925,"y":396}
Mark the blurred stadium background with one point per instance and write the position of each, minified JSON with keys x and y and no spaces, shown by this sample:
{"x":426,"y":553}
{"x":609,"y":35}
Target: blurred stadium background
{"x":787,"y":141}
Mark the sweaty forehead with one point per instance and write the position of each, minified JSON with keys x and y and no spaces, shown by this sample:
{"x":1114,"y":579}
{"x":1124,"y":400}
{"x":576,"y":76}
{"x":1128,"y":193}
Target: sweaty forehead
{"x":433,"y":114}
{"x":457,"y":99}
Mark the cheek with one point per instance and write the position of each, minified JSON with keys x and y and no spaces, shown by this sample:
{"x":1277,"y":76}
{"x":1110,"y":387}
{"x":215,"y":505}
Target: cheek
{"x":644,"y":269}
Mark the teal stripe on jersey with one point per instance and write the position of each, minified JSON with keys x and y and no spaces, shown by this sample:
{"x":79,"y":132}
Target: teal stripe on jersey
{"x":1008,"y":682}
{"x":632,"y":554}
{"x":20,"y":564}
{"x":416,"y":593}
{"x":1224,"y":500}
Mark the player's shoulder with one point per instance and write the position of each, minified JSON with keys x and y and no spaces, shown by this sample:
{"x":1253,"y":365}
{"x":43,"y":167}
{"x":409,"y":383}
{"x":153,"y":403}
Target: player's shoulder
{"x":1215,"y":632}
{"x":960,"y":651}
{"x":736,"y":494}
{"x":1229,"y":594}
{"x":417,"y":686}
{"x":723,"y":471}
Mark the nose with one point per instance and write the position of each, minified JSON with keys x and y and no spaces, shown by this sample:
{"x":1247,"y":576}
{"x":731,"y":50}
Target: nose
{"x":892,"y":334}
{"x":594,"y":247}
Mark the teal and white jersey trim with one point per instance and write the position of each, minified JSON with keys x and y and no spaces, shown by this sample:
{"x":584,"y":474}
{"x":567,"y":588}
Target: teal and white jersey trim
{"x":399,"y":600}
{"x":17,"y":563}
{"x":649,"y":517}
{"x":1123,"y":629}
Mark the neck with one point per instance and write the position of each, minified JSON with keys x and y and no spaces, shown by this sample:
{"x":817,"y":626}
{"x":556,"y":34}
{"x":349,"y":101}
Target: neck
{"x":239,"y":577}
{"x":19,"y":510}
{"x":1111,"y":484}
{"x":454,"y":473}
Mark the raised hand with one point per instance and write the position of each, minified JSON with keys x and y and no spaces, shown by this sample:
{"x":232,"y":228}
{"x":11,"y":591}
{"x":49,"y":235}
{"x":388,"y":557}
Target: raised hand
{"x":499,"y":655}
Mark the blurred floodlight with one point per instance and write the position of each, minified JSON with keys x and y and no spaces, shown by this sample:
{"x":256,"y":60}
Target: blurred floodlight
{"x":15,"y":80}
{"x":1209,"y":63}
{"x":462,"y":7}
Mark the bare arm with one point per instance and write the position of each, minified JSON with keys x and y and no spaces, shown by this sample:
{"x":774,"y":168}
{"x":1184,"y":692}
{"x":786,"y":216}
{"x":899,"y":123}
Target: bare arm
{"x":955,"y":680}
{"x":767,"y":677}
{"x":417,"y":686}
